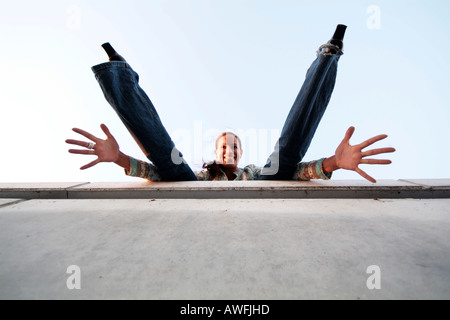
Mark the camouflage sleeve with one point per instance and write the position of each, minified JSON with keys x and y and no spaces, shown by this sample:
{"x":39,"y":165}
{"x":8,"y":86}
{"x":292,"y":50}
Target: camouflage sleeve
{"x":311,"y":170}
{"x":202,"y":175}
{"x":143,"y":170}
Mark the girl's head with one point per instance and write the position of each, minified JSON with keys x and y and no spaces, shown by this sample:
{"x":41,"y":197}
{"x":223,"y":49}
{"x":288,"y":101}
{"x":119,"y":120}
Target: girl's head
{"x":228,"y":149}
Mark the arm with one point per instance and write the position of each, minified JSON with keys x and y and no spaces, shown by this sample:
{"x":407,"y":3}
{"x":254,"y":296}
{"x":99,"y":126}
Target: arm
{"x":311,"y":170}
{"x":108,"y":151}
{"x":350,"y":157}
{"x":123,"y":161}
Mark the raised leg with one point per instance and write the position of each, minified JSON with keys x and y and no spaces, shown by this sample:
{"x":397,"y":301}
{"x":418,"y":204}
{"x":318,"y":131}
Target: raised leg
{"x":306,"y":112}
{"x":120,"y":86}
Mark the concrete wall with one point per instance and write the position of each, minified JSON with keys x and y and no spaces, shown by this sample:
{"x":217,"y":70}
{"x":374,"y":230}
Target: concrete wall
{"x":224,"y":248}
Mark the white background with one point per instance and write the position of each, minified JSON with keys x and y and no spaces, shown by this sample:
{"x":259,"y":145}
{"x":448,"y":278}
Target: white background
{"x":216,"y":65}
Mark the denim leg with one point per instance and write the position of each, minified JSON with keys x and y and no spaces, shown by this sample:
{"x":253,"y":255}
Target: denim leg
{"x":303,"y":118}
{"x":119,"y":83}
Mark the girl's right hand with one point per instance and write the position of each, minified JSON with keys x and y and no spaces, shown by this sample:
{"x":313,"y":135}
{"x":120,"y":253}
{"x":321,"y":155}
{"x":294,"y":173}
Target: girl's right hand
{"x":106,"y":150}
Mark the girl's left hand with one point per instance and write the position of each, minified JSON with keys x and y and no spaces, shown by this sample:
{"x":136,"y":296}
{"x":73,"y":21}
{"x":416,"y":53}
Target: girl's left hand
{"x":350,"y":157}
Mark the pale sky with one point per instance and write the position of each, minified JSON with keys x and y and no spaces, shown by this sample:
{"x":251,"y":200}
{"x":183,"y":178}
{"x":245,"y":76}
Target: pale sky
{"x":216,"y":65}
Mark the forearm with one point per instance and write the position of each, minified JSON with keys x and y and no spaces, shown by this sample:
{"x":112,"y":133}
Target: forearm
{"x":138,"y":168}
{"x":123,"y":161}
{"x":329,"y":164}
{"x":311,"y":170}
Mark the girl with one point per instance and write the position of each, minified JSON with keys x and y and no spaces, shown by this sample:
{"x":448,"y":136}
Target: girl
{"x":119,"y":83}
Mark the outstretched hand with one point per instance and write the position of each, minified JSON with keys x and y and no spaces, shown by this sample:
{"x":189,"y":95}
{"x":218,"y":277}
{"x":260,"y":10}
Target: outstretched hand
{"x":105,"y":150}
{"x":349,"y":157}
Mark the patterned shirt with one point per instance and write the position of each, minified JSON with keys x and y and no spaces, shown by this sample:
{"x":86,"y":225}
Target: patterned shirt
{"x":305,"y":171}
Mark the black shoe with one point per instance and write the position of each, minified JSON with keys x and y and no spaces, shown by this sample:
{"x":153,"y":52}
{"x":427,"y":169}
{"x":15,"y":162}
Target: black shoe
{"x":112,"y":54}
{"x":338,"y":36}
{"x":336,"y":43}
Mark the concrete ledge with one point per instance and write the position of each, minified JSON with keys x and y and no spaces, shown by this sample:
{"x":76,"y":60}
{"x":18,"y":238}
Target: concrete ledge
{"x":344,"y":189}
{"x":37,"y":190}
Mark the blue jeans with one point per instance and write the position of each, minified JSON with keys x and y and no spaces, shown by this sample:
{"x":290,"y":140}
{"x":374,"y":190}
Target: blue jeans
{"x":120,"y":86}
{"x":303,"y":118}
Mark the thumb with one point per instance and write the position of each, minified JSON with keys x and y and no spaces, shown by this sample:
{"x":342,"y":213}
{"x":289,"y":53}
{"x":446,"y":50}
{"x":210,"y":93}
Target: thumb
{"x":106,"y":130}
{"x":349,"y":134}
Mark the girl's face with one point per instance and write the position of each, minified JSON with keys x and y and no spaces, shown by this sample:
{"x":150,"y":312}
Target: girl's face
{"x":228,"y":151}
